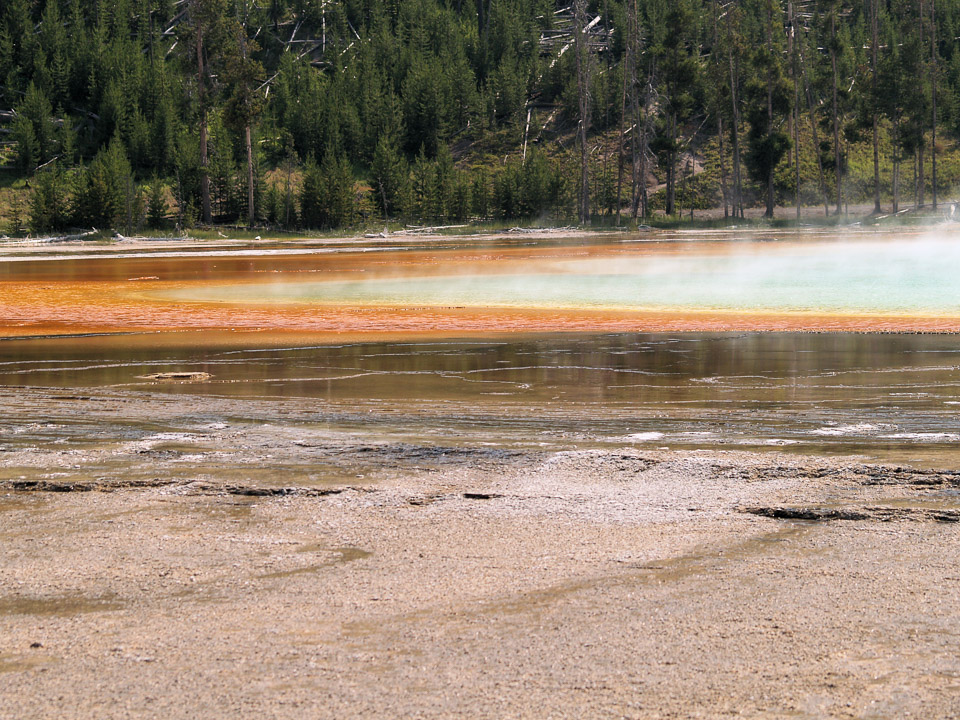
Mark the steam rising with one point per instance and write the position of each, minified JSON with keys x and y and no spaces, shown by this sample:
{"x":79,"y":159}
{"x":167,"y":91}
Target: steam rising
{"x":899,"y":276}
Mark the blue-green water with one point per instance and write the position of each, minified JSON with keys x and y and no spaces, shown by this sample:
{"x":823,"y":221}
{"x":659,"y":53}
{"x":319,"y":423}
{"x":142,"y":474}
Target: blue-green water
{"x":886,"y":277}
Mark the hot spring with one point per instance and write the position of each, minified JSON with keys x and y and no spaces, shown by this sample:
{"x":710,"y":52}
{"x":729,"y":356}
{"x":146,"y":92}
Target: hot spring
{"x":913,"y":277}
{"x":514,"y":341}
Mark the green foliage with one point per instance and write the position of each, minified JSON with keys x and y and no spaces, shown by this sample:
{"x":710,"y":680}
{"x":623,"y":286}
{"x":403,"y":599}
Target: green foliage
{"x":17,"y":214}
{"x":527,"y":189}
{"x":48,"y":202}
{"x":480,"y":194}
{"x":509,"y":91}
{"x":694,"y":193}
{"x":425,"y":102}
{"x":327,"y":196}
{"x":771,"y":101}
{"x":424,"y":185}
{"x":157,"y":204}
{"x":390,"y":176}
{"x":35,"y":129}
{"x":26,"y":143}
{"x":105,"y":190}
{"x":461,"y":199}
{"x":423,"y":110}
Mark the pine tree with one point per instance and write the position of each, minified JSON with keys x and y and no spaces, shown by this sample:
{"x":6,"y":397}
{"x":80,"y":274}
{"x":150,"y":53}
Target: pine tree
{"x":424,"y":185}
{"x":890,"y":100}
{"x":48,"y":202}
{"x":422,"y":106}
{"x":769,"y":95}
{"x":342,"y":199}
{"x":327,"y":197}
{"x":157,"y":207}
{"x":679,"y":74}
{"x":36,"y":109}
{"x":390,"y":178}
{"x":25,"y":140}
{"x":104,"y":196}
{"x":480,"y":194}
{"x":53,"y":39}
{"x":444,"y":179}
{"x":313,"y":200}
{"x":461,"y":200}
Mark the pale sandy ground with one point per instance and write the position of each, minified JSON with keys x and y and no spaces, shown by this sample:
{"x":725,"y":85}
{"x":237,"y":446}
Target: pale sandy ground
{"x":206,"y":571}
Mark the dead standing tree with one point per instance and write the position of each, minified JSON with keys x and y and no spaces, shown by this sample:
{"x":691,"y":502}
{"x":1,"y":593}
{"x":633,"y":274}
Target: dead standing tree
{"x":718,"y":111}
{"x":644,"y":116}
{"x":837,"y":159}
{"x":800,"y":42}
{"x":629,"y":81}
{"x":196,"y":6}
{"x":795,"y":114}
{"x":933,"y":97}
{"x":204,"y":16}
{"x":581,"y":48}
{"x":641,"y":113}
{"x":585,"y":36}
{"x":734,"y":51}
{"x":874,"y":42}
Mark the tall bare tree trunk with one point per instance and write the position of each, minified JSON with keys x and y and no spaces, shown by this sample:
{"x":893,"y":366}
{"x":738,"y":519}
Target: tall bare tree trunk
{"x":674,"y":156}
{"x":813,"y":128}
{"x":769,"y":24}
{"x":628,"y":81}
{"x":640,"y":206}
{"x":683,"y":186}
{"x":724,"y":192}
{"x":583,"y":92}
{"x":204,"y":159}
{"x":635,"y":176}
{"x":735,"y":137}
{"x":620,"y":154}
{"x":719,"y":110}
{"x":644,"y":140}
{"x":896,"y":164}
{"x":874,"y":25}
{"x":790,"y":117}
{"x":795,"y":113}
{"x":918,"y":179}
{"x":921,"y":181}
{"x":836,"y":113}
{"x":633,"y":39}
{"x":933,"y":81}
{"x":251,"y":216}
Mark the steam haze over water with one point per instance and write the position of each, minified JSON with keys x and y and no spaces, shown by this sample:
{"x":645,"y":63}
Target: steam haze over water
{"x":888,"y":277}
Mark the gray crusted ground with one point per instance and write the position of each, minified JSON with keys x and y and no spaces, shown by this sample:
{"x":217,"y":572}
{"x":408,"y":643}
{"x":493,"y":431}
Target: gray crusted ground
{"x":175,"y":557}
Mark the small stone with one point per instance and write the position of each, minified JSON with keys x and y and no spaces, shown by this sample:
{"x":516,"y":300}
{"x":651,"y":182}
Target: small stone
{"x":35,"y":645}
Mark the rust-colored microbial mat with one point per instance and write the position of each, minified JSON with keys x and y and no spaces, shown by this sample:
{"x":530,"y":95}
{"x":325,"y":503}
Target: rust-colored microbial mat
{"x":873,"y":283}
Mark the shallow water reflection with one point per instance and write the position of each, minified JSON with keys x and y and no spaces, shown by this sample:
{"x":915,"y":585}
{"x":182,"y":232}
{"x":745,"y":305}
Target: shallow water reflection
{"x":894,"y":397}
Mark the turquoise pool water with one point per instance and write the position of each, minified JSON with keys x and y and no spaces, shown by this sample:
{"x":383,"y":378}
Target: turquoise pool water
{"x":864,"y":276}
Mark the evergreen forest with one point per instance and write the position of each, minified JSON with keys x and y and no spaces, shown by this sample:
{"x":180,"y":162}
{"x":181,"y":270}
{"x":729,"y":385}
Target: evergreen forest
{"x":332,"y":114}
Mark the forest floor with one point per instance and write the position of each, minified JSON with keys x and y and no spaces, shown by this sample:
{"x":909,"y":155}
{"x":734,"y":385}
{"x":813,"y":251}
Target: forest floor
{"x":209,"y":571}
